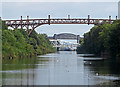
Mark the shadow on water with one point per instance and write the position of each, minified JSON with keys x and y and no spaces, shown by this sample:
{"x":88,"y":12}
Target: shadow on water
{"x":18,"y":63}
{"x":15,"y":70}
{"x":105,"y":68}
{"x":22,"y":71}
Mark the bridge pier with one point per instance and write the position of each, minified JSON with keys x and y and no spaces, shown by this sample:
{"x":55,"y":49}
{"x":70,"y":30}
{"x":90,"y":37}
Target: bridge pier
{"x":49,"y":19}
{"x":58,"y":48}
{"x":78,"y":38}
{"x":55,"y":37}
{"x":21,"y":23}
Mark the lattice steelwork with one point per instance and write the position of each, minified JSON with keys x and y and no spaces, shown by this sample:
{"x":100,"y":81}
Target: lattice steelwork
{"x":31,"y":24}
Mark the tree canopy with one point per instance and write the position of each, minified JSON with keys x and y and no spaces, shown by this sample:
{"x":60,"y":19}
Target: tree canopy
{"x":16,"y":43}
{"x":103,"y":38}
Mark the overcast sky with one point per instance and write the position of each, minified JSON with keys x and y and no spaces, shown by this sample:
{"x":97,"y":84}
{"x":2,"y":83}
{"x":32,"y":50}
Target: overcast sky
{"x":13,"y":10}
{"x":59,"y":0}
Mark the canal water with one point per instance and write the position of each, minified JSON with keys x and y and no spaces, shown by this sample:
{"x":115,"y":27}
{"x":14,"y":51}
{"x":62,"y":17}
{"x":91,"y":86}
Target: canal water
{"x":61,"y":68}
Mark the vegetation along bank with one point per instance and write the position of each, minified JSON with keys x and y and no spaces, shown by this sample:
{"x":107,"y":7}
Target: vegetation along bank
{"x":17,"y":44}
{"x":102,"y":39}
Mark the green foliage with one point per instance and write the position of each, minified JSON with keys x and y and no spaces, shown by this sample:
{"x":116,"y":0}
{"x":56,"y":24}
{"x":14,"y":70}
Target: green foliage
{"x":16,"y":43}
{"x":114,"y":39}
{"x":102,"y":38}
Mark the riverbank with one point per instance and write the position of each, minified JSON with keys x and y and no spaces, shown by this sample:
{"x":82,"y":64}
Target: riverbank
{"x":17,"y":44}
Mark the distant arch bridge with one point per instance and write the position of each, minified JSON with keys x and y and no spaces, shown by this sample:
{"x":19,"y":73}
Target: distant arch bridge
{"x":66,"y":36}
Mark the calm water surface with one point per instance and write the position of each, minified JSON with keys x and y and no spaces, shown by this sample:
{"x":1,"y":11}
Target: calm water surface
{"x":62,"y":68}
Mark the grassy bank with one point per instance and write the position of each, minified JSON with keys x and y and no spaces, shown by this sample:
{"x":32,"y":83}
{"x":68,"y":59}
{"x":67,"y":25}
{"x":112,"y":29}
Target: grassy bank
{"x":102,"y":40}
{"x":16,"y":43}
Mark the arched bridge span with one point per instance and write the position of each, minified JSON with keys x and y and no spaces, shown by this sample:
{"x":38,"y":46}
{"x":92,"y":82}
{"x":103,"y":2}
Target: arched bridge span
{"x":31,"y":24}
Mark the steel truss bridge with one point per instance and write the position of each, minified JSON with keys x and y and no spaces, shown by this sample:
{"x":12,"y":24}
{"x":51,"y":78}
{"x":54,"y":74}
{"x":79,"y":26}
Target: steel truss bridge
{"x":66,"y":36}
{"x":31,"y":24}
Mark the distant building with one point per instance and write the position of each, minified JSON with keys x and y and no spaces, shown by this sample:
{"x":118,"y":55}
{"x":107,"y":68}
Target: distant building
{"x":119,"y":9}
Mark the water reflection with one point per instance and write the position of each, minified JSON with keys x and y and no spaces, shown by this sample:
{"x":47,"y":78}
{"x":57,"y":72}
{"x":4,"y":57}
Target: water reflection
{"x":63,"y":68}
